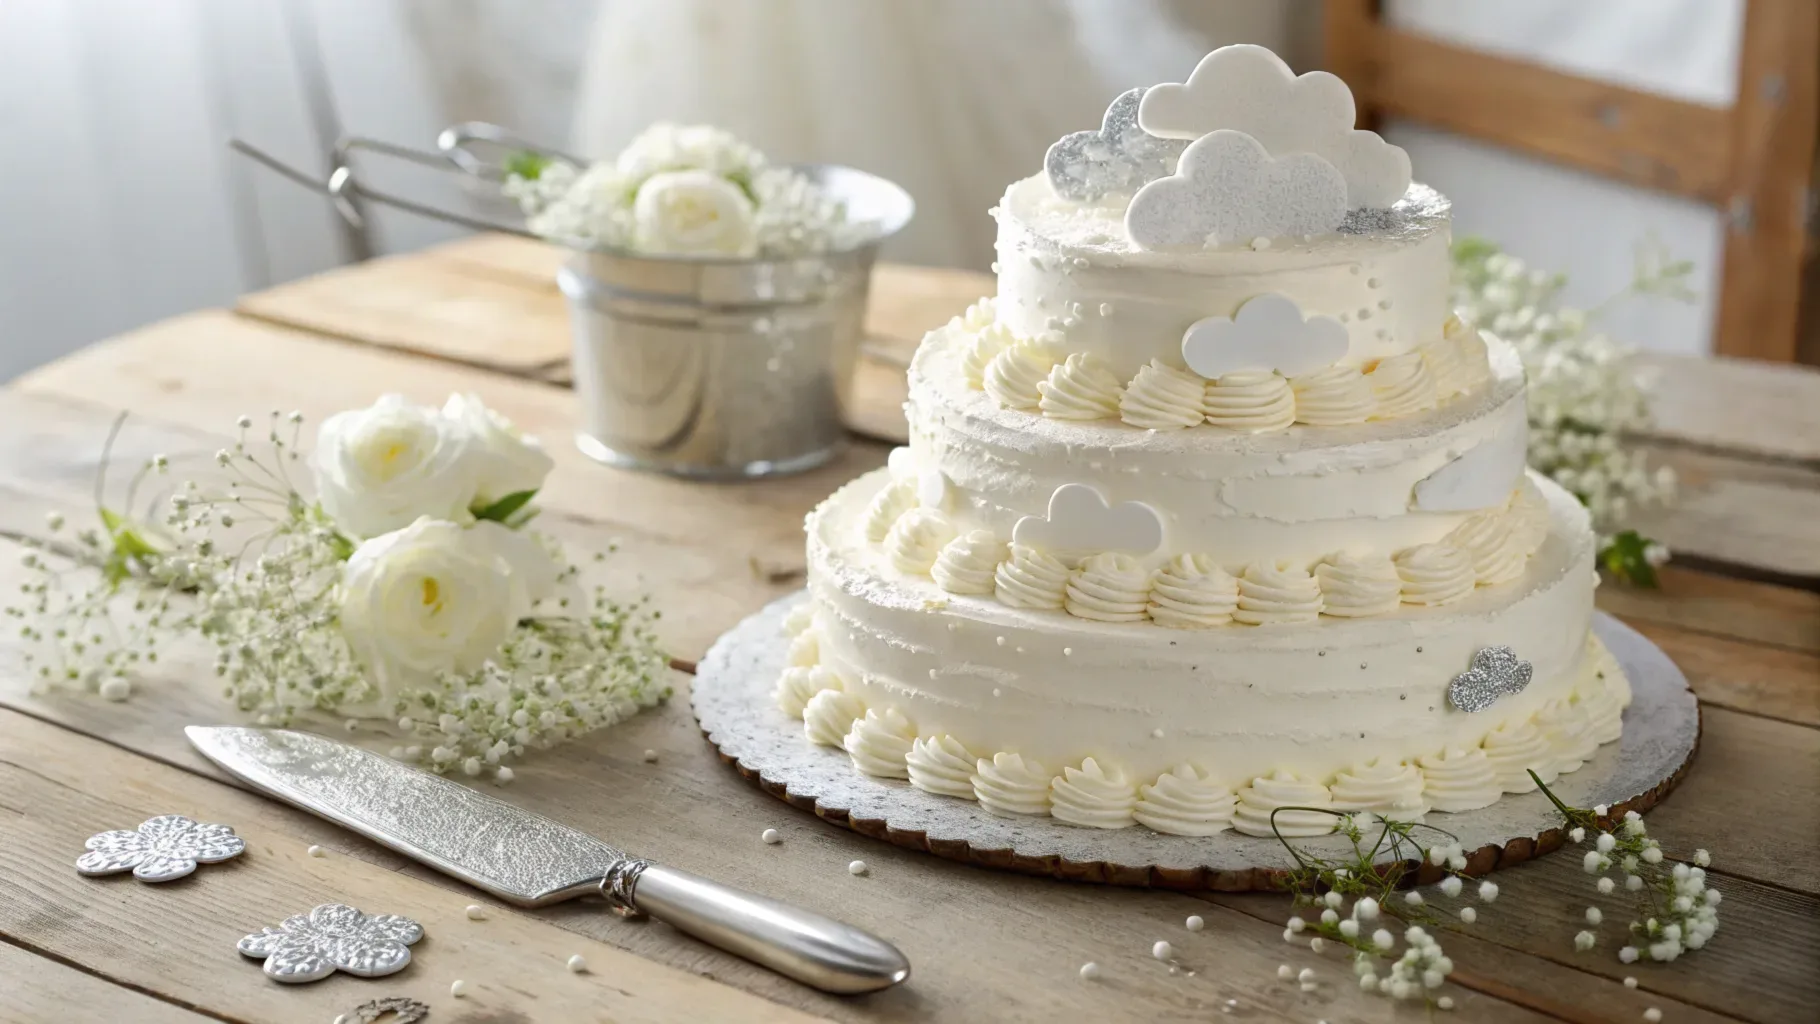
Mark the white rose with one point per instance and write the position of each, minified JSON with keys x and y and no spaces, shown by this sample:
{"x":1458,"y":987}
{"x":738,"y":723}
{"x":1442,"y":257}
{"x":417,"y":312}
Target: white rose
{"x":379,"y":469}
{"x":693,"y":213}
{"x":437,"y":597}
{"x":505,"y":460}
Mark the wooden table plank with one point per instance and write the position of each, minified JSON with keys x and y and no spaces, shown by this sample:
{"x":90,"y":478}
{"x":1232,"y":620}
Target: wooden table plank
{"x":177,"y":940}
{"x":36,"y":989}
{"x":1703,"y":602}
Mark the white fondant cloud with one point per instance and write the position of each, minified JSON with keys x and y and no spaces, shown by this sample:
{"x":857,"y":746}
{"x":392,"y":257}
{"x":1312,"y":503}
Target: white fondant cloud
{"x":1118,"y":157}
{"x":1481,"y":478}
{"x":1228,"y":189}
{"x":1080,"y":521}
{"x":1267,"y":333}
{"x":1249,"y":89}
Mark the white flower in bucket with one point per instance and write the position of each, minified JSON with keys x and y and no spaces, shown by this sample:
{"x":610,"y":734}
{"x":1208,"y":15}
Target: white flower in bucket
{"x":693,"y":213}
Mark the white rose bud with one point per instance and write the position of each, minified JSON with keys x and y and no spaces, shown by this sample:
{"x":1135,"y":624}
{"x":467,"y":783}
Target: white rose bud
{"x":436,"y":597}
{"x":505,"y":460}
{"x":378,"y":469}
{"x":693,"y":213}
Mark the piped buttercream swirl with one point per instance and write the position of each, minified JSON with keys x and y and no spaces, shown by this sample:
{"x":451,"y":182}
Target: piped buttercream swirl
{"x":1162,"y":397}
{"x":1601,"y":707}
{"x":1569,"y":734}
{"x":799,"y":684}
{"x":969,"y":564}
{"x":916,"y":540}
{"x":897,"y":497}
{"x":800,"y":618}
{"x":1434,"y":574}
{"x":1110,"y":587}
{"x":985,"y":346}
{"x":1606,"y":668}
{"x":1031,"y":579}
{"x":1009,"y":784}
{"x":1333,"y":396}
{"x":1470,"y":352}
{"x":1459,"y":779}
{"x":941,"y":765}
{"x":1092,"y":797}
{"x":1386,"y":787}
{"x":1489,"y":539}
{"x":1082,"y":388}
{"x":1257,"y":802}
{"x":829,"y":716}
{"x":1513,"y":749}
{"x":1192,"y":592}
{"x":1403,"y":386}
{"x":878,"y":742}
{"x":1254,"y":402}
{"x":1356,"y":586}
{"x":1276,"y":594}
{"x":805,"y":649}
{"x":980,"y":315}
{"x":1529,"y":516}
{"x":1013,"y":375}
{"x":1185,"y":801}
{"x":1447,"y":365}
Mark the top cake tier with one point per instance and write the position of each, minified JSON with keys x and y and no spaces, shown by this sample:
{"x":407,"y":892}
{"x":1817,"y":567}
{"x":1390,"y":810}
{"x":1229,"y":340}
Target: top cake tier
{"x":1071,"y":267}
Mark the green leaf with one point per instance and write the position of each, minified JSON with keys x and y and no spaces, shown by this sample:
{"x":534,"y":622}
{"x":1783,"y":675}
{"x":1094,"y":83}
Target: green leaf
{"x":527,"y":164}
{"x":1627,"y":558}
{"x":504,"y":509}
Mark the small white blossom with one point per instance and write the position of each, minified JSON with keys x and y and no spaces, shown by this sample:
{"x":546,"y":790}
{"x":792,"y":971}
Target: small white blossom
{"x":1488,"y":891}
{"x":1702,"y":858}
{"x":1468,"y":915}
{"x":1366,"y":909}
{"x":1451,"y":885}
{"x":1584,"y":941}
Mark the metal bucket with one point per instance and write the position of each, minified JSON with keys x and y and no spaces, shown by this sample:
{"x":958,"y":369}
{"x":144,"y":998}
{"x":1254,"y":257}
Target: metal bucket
{"x":724,"y":369}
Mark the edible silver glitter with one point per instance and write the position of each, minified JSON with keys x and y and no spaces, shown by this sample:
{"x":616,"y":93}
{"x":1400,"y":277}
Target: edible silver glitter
{"x":1118,"y":157}
{"x":1495,"y":672}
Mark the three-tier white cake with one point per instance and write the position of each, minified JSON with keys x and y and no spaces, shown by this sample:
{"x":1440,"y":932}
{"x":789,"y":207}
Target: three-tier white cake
{"x":1216,"y":508}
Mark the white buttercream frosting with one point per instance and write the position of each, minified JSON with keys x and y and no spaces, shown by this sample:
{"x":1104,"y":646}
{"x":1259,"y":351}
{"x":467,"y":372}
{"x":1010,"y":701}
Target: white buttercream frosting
{"x":794,"y":688}
{"x":1490,"y":539}
{"x":916,"y":540}
{"x":969,"y":564}
{"x":1110,"y":587}
{"x":1403,"y":386}
{"x":1272,"y":594}
{"x":1192,"y":592}
{"x":830,"y":715}
{"x":981,"y":350}
{"x":1092,"y":796}
{"x":1032,"y":579}
{"x":1333,"y":396}
{"x":800,"y":618}
{"x":878,"y":742}
{"x":1459,"y":779}
{"x":1258,"y":801}
{"x":805,"y":649}
{"x":1386,"y":787}
{"x":1255,"y":403}
{"x":1528,"y":516}
{"x":1185,"y":801}
{"x":1603,"y":710}
{"x":1081,"y":388}
{"x":1011,"y":784}
{"x":1434,"y":574}
{"x":941,"y":765}
{"x":1606,"y":669}
{"x":1162,"y":397}
{"x":891,"y":502}
{"x":1013,"y":375}
{"x":1569,"y":734}
{"x":980,"y":315}
{"x":1470,"y":353}
{"x":1513,"y":749}
{"x":1447,"y":365}
{"x":1355,"y":586}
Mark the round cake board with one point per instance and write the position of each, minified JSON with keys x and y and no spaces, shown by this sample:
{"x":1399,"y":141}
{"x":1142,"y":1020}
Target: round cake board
{"x":732,"y":698}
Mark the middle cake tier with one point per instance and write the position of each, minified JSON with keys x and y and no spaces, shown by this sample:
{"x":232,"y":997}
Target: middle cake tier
{"x":1296,"y":496}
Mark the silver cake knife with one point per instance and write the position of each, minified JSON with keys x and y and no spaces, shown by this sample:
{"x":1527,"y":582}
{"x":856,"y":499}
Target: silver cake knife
{"x":529,"y":860}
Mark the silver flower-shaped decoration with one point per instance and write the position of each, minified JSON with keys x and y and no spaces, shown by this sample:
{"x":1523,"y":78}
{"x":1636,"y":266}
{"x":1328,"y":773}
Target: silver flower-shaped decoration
{"x":1495,"y":672}
{"x":334,"y":937}
{"x":166,"y":847}
{"x":1118,"y":157}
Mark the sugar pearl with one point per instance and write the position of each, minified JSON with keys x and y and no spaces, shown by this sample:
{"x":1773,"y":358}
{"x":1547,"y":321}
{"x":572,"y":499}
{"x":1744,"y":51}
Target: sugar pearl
{"x":1194,"y":923}
{"x":1630,"y":982}
{"x":458,"y":988}
{"x":771,"y":836}
{"x":650,"y":756}
{"x":317,"y":851}
{"x":1445,"y":1002}
{"x":1162,"y":950}
{"x":1285,"y":972}
{"x":1090,"y":971}
{"x":1652,"y":1015}
{"x":577,"y":965}
{"x":476,"y":912}
{"x":1307,"y":974}
{"x":857,"y":867}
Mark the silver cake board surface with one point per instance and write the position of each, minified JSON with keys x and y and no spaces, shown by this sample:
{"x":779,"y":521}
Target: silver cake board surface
{"x":732,"y":698}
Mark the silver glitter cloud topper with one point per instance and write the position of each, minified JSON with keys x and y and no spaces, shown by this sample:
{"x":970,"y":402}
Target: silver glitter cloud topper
{"x":1117,"y":157}
{"x":1495,"y":672}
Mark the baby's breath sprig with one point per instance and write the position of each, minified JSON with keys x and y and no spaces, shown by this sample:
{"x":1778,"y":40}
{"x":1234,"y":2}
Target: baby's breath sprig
{"x":1676,"y":911}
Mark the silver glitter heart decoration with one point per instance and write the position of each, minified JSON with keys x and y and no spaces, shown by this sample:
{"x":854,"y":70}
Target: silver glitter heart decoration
{"x":159,"y":850}
{"x":1119,"y":157}
{"x":1495,"y":672}
{"x":334,"y":937}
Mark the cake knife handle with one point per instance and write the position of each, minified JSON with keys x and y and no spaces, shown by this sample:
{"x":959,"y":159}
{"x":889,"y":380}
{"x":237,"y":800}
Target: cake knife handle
{"x":815,"y":950}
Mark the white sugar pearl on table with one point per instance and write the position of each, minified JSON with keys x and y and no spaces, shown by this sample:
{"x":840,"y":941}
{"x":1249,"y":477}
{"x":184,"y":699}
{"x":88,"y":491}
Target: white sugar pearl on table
{"x":650,"y":756}
{"x":476,"y":912}
{"x":857,"y":867}
{"x":577,"y":965}
{"x":1162,"y":950}
{"x":1652,"y":1015}
{"x":1194,"y":923}
{"x":1090,"y":971}
{"x":771,"y":836}
{"x":458,"y":988}
{"x":317,"y":851}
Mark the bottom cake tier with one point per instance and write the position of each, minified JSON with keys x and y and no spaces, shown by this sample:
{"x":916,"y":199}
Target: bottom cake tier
{"x":1194,"y":731}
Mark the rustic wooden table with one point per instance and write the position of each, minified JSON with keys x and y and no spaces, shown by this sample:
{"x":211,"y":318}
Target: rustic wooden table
{"x":1739,"y":611}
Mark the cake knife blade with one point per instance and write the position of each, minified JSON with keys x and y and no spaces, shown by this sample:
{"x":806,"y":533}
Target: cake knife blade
{"x":531,"y":861}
